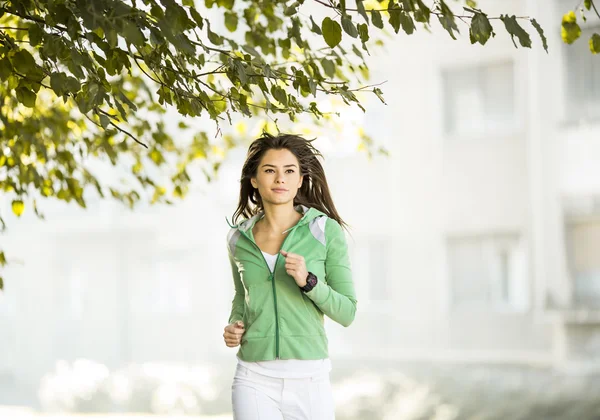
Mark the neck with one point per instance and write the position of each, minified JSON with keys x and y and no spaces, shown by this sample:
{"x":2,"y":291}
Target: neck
{"x":279,"y":218}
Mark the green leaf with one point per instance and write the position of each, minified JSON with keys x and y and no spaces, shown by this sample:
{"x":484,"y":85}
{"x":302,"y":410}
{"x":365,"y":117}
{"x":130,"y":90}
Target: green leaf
{"x":515,"y":30}
{"x":376,"y":19}
{"x":58,"y":83}
{"x":241,"y":70}
{"x":23,"y":62}
{"x":379,"y":94}
{"x":36,"y":35}
{"x":570,"y":30}
{"x":279,"y":94}
{"x":133,"y":34}
{"x":394,"y":12}
{"x":595,"y":43}
{"x":1,"y":283}
{"x":252,"y":50}
{"x":408,"y":5}
{"x":111,"y":36}
{"x":349,"y":27}
{"x":73,"y":84}
{"x":26,"y":97}
{"x":213,"y":37}
{"x":587,"y":4}
{"x":328,"y":67}
{"x":18,"y":207}
{"x":292,"y":9}
{"x":357,"y":52}
{"x":447,"y":20}
{"x":408,"y":25}
{"x":231,"y":21}
{"x":104,"y":121}
{"x":540,"y":31}
{"x":157,"y":12}
{"x":361,"y":9}
{"x":423,"y":13}
{"x":363,"y":32}
{"x":2,"y":259}
{"x":315,"y":28}
{"x":5,"y":68}
{"x":332,"y":32}
{"x":197,"y":18}
{"x":481,"y":30}
{"x":227,"y":4}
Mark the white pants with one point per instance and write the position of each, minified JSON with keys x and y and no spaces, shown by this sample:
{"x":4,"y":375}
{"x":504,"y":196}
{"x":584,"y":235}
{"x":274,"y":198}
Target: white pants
{"x":259,"y":397}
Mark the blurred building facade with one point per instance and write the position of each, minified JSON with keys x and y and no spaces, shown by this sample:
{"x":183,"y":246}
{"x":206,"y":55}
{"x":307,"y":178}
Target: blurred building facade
{"x":489,"y":204}
{"x":478,"y":239}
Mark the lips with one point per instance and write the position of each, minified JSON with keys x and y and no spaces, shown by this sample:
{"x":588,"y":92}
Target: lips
{"x":278,"y":190}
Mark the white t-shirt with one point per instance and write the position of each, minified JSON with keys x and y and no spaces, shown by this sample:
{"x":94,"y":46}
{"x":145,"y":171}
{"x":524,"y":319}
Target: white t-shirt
{"x":287,"y":368}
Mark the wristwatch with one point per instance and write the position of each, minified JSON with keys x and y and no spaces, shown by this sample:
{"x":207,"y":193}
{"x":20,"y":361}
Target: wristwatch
{"x":311,"y":282}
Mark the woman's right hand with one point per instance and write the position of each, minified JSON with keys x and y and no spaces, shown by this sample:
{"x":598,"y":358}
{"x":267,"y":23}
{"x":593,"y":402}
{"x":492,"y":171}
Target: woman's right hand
{"x":233,"y":334}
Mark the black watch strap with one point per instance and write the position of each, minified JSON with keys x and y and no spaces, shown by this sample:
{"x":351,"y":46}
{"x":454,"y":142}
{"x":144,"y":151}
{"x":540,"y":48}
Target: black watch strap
{"x":311,"y":282}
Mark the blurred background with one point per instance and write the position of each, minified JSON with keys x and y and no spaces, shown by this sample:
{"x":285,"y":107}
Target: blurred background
{"x":475,"y":248}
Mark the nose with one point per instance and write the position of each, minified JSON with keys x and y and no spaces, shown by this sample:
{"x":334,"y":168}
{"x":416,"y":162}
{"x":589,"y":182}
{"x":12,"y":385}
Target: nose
{"x":279,"y":179}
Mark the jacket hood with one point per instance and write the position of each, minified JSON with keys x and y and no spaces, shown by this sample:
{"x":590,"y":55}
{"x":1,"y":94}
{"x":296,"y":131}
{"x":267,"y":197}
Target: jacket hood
{"x":308,"y":214}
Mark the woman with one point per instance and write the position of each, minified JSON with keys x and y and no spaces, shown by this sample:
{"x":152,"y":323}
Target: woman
{"x":290,"y":267}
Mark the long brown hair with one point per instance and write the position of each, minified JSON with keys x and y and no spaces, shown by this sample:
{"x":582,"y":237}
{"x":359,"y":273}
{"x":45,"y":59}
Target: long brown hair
{"x":314,"y":191}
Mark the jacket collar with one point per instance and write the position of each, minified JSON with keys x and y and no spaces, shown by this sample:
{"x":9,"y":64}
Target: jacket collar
{"x":308,"y":213}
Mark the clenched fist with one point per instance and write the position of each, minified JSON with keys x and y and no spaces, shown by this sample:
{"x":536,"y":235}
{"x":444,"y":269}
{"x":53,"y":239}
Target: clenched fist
{"x":295,"y":266}
{"x":233,"y":333}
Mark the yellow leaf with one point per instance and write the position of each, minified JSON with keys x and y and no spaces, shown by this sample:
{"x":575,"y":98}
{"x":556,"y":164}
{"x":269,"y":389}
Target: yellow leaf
{"x":241,"y":128}
{"x":18,"y":207}
{"x":156,"y":156}
{"x":570,"y":30}
{"x":158,"y":192}
{"x":218,"y":151}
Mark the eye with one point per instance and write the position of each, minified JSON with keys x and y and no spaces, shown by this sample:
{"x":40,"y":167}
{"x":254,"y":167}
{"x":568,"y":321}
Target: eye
{"x":290,"y":171}
{"x":269,"y":170}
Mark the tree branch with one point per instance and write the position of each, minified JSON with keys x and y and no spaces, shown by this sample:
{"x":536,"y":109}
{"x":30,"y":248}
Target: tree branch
{"x":432,"y":11}
{"x":595,"y":9}
{"x":128,"y":134}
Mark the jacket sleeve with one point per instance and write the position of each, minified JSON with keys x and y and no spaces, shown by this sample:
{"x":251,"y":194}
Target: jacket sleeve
{"x":336,"y":296}
{"x":237,"y":304}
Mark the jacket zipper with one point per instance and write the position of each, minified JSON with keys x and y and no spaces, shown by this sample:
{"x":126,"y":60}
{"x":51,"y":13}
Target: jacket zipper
{"x":272,"y":279}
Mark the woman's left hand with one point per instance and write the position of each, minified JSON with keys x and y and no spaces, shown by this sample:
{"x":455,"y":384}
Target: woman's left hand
{"x":295,"y":266}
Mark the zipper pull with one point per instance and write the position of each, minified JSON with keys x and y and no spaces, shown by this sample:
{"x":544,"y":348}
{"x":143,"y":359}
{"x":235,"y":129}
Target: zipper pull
{"x":271,"y":277}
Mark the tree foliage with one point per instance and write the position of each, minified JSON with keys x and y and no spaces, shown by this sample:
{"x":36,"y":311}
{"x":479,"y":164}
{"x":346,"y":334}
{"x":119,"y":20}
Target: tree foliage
{"x":84,"y":81}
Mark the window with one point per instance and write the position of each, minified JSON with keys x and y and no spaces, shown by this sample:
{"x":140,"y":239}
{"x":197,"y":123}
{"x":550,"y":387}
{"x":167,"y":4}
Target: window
{"x":582,"y":75}
{"x":479,"y":100}
{"x":583,"y":245}
{"x":371,"y":258}
{"x":487,"y":272}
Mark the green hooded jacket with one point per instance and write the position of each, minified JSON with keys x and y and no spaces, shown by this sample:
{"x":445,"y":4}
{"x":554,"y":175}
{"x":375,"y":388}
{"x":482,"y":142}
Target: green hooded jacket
{"x":281,"y":320}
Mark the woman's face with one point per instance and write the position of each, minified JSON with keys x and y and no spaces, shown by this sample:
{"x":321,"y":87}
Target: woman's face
{"x":277,"y":177}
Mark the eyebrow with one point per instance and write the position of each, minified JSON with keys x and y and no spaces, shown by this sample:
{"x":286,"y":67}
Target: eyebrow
{"x":285,"y":166}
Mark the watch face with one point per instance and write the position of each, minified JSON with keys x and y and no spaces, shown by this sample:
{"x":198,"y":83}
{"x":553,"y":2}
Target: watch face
{"x":312,"y":279}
